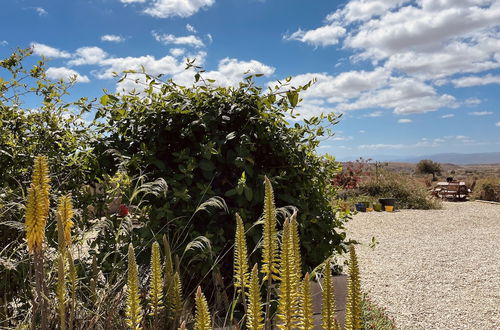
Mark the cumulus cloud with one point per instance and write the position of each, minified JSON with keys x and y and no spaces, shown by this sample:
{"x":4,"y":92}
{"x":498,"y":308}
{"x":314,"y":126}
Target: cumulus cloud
{"x":477,"y":80}
{"x":497,"y":124}
{"x":381,"y":146}
{"x":167,"y":39}
{"x":403,"y":96}
{"x":177,"y":51}
{"x":3,"y":43}
{"x":66,"y":74}
{"x":190,"y":28}
{"x":428,"y":39}
{"x":47,"y":51}
{"x":182,"y":8}
{"x":323,"y":36}
{"x":450,"y":115}
{"x":404,"y":121}
{"x":88,"y":56}
{"x":112,"y":38}
{"x":229,"y":72}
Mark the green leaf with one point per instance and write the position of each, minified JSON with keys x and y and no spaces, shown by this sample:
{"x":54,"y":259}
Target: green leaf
{"x":206,"y":165}
{"x":248,"y":194}
{"x":104,"y":100}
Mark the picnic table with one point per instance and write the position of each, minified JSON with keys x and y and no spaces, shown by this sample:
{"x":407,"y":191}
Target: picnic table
{"x":453,"y":190}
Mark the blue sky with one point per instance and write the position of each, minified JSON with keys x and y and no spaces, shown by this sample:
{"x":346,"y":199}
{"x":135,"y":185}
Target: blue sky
{"x":411,"y":77}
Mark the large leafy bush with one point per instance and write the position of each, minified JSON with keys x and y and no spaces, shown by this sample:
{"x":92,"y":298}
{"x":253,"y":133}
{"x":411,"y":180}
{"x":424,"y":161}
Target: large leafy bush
{"x":220,"y":141}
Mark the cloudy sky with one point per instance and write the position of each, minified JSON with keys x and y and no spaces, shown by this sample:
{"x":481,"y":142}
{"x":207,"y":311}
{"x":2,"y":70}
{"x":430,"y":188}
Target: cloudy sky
{"x":410,"y":77}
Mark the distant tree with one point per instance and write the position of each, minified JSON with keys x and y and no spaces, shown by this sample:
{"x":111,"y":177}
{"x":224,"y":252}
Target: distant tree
{"x":427,"y":166}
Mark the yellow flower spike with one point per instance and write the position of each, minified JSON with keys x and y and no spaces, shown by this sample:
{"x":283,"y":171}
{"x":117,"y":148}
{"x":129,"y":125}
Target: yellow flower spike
{"x":177,"y":300}
{"x":156,"y":282}
{"x":73,"y":282}
{"x":241,"y":276}
{"x":288,"y":309}
{"x":353,"y":304}
{"x":255,"y":320}
{"x":168,"y":279}
{"x":306,"y":309}
{"x":297,"y":259}
{"x":133,"y":308}
{"x":65,"y":212}
{"x":329,"y":322}
{"x":270,"y":235}
{"x":202,"y":315}
{"x":37,"y":206}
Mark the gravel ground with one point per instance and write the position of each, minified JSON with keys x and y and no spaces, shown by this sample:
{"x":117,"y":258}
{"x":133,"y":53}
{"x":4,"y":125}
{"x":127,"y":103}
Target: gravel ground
{"x":434,"y":269}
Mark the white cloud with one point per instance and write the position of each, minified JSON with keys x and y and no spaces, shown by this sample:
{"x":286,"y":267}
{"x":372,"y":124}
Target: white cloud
{"x":182,"y":8}
{"x":132,"y":1}
{"x":167,"y":39}
{"x":177,"y":51}
{"x":427,"y":39}
{"x":497,"y":124}
{"x":450,"y":115}
{"x":3,"y":43}
{"x":404,"y":96}
{"x":66,"y":74}
{"x":472,"y":101}
{"x":190,"y":28}
{"x":477,"y":80}
{"x":40,"y":11}
{"x":88,"y":56}
{"x":481,"y":113}
{"x":374,"y":114}
{"x":323,"y":36}
{"x":362,"y":131}
{"x":404,"y":121}
{"x":230,"y":71}
{"x":112,"y":38}
{"x":47,"y":51}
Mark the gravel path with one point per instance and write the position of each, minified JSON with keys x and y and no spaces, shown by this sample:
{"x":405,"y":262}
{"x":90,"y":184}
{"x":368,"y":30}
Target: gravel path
{"x":437,"y":269}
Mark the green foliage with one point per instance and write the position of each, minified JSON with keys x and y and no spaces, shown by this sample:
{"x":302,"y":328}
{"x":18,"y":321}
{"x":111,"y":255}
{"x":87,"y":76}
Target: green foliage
{"x":487,"y":189}
{"x":375,"y":317}
{"x":35,"y":118}
{"x":427,"y":166}
{"x":208,"y":141}
{"x":408,"y":192}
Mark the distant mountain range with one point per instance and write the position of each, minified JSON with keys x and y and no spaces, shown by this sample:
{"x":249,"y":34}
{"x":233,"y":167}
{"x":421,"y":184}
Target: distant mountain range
{"x":453,"y":158}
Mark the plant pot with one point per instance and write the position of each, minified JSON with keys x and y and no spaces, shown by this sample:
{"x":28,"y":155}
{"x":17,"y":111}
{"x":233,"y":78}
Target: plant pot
{"x":389,"y":208}
{"x":360,"y":207}
{"x":387,"y":201}
{"x":377,"y":207}
{"x":369,"y":209}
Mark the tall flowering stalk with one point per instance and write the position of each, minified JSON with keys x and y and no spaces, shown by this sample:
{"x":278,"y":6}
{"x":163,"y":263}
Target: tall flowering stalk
{"x":241,"y":275}
{"x":353,"y":304}
{"x":202,"y":315}
{"x":64,"y":224}
{"x":288,"y":296}
{"x":329,"y":322}
{"x":270,"y":244}
{"x":156,"y":283}
{"x":37,"y":211}
{"x":255,"y":320}
{"x":133,"y":307}
{"x":306,"y":308}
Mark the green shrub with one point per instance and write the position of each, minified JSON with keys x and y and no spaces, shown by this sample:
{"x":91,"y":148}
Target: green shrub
{"x":487,"y":189}
{"x":409,"y":193}
{"x":207,"y":141}
{"x":375,"y":317}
